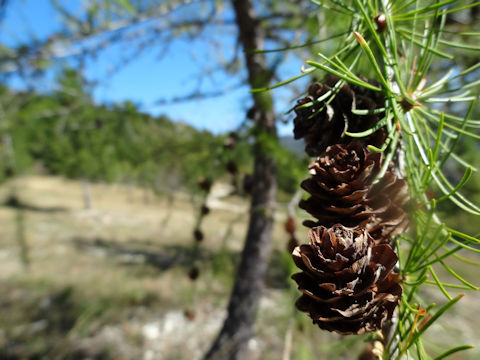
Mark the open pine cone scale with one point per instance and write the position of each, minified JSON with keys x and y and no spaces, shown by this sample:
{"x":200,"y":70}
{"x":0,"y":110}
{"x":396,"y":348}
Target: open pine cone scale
{"x":345,"y":279}
{"x":342,"y":190}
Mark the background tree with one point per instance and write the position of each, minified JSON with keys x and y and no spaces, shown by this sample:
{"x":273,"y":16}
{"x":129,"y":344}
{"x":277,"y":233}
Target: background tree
{"x":142,"y":25}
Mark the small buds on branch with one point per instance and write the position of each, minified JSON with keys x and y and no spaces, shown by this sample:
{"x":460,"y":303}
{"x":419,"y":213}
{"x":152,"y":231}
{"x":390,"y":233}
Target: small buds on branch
{"x":381,"y":22}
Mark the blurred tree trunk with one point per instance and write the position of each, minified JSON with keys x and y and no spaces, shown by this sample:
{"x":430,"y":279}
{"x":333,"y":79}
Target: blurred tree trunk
{"x":237,"y":329}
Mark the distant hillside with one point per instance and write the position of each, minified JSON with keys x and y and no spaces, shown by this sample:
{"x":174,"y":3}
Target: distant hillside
{"x":295,"y":146}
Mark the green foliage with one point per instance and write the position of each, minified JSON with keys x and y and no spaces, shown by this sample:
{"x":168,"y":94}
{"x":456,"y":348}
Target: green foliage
{"x":67,"y":134}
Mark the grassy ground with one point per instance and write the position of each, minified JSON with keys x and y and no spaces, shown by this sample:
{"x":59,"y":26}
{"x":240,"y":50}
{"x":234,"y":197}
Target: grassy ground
{"x":111,"y":282}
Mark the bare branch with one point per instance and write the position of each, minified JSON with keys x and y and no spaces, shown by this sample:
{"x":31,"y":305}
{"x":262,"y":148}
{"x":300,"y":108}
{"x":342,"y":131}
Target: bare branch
{"x":197,"y":95}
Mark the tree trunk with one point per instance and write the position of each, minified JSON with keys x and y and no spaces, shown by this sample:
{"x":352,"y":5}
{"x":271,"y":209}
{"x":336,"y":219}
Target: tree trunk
{"x":237,"y":329}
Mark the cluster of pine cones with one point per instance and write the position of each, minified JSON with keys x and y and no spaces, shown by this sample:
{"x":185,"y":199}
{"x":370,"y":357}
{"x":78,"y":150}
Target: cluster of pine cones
{"x":347,"y":270}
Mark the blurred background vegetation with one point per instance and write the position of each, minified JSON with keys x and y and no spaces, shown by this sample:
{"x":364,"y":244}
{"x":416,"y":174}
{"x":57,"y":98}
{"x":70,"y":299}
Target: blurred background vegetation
{"x":100,"y":200}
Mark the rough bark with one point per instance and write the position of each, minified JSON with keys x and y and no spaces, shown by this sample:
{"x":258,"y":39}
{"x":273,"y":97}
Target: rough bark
{"x":237,"y":329}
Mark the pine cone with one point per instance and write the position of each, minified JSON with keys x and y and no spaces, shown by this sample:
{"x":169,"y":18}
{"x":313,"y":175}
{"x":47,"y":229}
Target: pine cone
{"x":292,"y":243}
{"x":290,"y":225}
{"x":194,"y":273}
{"x":342,"y":192}
{"x":346,"y":280}
{"x":230,"y":141}
{"x":204,"y":183}
{"x":247,"y":183}
{"x":198,"y":235}
{"x":189,"y":314}
{"x":204,"y":210}
{"x":231,"y":167}
{"x":322,"y":124}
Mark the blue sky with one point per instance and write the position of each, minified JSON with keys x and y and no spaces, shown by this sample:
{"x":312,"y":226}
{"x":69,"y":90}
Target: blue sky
{"x":150,"y":78}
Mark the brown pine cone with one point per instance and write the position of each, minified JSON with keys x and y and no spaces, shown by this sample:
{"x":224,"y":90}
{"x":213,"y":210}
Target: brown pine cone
{"x":189,"y":314}
{"x":322,"y":124}
{"x":194,"y":273}
{"x":292,"y":243}
{"x":247,"y":183}
{"x":231,"y":167}
{"x":342,"y":191}
{"x":346,"y":279}
{"x":204,"y":183}
{"x":230,"y":141}
{"x":204,"y":210}
{"x":290,"y":225}
{"x":198,"y":235}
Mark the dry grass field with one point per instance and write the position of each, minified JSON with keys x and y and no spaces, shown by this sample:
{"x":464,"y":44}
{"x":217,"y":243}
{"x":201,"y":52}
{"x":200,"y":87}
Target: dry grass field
{"x":111,"y":282}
